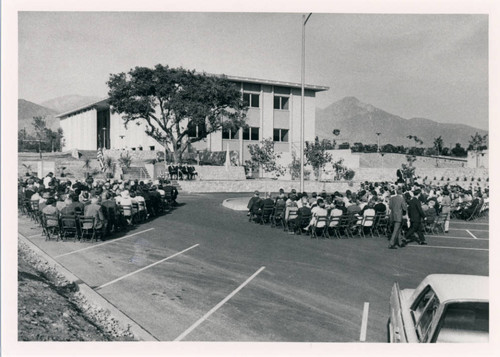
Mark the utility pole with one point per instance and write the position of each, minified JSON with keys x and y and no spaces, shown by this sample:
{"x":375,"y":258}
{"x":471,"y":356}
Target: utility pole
{"x":303,"y":75}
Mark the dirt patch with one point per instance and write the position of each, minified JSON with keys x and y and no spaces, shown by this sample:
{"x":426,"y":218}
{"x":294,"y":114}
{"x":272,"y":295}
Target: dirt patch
{"x":50,"y":308}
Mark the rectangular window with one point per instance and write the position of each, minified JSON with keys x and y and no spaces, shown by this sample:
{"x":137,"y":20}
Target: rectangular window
{"x":229,"y":134}
{"x":280,"y":135}
{"x":192,"y":131}
{"x":251,"y":134}
{"x":251,"y":100}
{"x":152,"y":148}
{"x":254,"y":134}
{"x":281,"y":103}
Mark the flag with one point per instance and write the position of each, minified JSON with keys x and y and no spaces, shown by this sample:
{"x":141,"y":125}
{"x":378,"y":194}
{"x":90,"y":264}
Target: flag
{"x":100,"y":158}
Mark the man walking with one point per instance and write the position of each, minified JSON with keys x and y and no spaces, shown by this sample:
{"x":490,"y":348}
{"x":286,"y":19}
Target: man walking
{"x":416,"y":215}
{"x":397,"y":205}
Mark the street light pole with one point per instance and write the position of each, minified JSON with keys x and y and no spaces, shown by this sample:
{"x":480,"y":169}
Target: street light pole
{"x":303,"y":75}
{"x":378,"y":141}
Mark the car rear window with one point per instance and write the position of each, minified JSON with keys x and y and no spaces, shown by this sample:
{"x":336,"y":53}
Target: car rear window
{"x":464,"y":322}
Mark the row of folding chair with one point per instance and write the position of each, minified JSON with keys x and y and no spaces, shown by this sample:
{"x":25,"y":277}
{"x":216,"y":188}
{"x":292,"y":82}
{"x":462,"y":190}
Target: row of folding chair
{"x":347,"y":225}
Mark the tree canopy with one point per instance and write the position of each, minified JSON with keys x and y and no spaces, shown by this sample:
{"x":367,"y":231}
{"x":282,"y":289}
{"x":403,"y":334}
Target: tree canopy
{"x":178,"y":106}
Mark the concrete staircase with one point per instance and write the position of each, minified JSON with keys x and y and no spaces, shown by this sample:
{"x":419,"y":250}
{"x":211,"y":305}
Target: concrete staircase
{"x":135,"y":172}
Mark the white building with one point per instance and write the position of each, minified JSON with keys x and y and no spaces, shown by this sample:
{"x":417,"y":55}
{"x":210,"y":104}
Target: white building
{"x":274,"y":112}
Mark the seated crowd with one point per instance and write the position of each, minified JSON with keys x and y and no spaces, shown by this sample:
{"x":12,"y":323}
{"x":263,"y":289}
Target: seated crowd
{"x":367,"y":209}
{"x":102,"y":207}
{"x":182,"y":172}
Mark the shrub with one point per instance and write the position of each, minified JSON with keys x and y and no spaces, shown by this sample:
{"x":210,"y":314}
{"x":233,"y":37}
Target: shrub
{"x":479,"y":179}
{"x":125,"y":160}
{"x":442,"y":178}
{"x":465,"y":178}
{"x":448,"y":179}
{"x":472,"y":179}
{"x":487,"y":179}
{"x":435,"y":178}
{"x":349,"y":174}
{"x":458,"y":178}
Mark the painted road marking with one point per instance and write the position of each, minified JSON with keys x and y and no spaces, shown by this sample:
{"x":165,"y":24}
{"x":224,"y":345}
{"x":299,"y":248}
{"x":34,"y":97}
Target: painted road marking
{"x":473,"y":236}
{"x":364,"y":322}
{"x":146,"y":267}
{"x":216,"y":307}
{"x":435,"y":246}
{"x":448,"y":237}
{"x":108,"y":242}
{"x":472,"y":229}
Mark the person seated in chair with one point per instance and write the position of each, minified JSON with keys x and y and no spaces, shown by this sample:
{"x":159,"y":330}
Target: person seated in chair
{"x":94,"y":210}
{"x":50,"y":208}
{"x":317,"y":211}
{"x":253,"y":203}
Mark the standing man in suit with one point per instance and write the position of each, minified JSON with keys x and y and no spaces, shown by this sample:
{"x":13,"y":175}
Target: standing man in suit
{"x":416,"y":215}
{"x":397,"y":205}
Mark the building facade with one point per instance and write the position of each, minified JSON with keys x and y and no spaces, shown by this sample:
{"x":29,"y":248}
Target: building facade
{"x":274,"y":111}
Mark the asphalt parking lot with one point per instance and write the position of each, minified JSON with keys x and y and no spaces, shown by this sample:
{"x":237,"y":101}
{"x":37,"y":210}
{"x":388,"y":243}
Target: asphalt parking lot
{"x":204,"y":273}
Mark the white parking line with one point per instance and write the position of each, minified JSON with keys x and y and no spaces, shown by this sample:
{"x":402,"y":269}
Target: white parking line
{"x":473,"y":236}
{"x":472,"y":229}
{"x":452,"y":237}
{"x":35,"y":235}
{"x":216,"y":307}
{"x":364,"y":322}
{"x":435,"y":246}
{"x":146,"y":267}
{"x":108,"y":242}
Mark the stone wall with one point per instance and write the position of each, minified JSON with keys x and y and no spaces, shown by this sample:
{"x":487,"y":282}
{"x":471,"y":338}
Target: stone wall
{"x":375,"y":160}
{"x":263,"y":186}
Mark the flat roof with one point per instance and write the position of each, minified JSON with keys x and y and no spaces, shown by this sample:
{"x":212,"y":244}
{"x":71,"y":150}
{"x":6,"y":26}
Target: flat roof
{"x":315,"y":88}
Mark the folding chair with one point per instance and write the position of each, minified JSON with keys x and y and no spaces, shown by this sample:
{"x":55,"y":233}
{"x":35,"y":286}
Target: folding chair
{"x":438,"y":224}
{"x":475,"y":213}
{"x":127,"y":213}
{"x":87,"y":228}
{"x":69,"y":227}
{"x":303,"y":223}
{"x":321,"y":225}
{"x":343,"y":228}
{"x":356,"y":225}
{"x":289,"y":221}
{"x":35,"y":213}
{"x":368,"y":222}
{"x":142,"y":213}
{"x":265,"y":214}
{"x":382,"y":224}
{"x":50,"y":226}
{"x":333,"y":227}
{"x":135,"y":211}
{"x":278,"y":216}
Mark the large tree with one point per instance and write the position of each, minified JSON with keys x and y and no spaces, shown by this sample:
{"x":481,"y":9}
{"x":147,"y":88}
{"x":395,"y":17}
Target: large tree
{"x":178,"y":106}
{"x":317,"y":156}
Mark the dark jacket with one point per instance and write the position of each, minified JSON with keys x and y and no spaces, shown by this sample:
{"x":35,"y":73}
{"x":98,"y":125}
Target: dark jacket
{"x":415,"y":212}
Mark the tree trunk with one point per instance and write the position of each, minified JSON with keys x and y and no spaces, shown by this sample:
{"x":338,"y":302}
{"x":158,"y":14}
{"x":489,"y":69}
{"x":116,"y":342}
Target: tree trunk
{"x":177,"y":156}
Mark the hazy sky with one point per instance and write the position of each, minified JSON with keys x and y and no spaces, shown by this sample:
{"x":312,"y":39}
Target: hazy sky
{"x":431,"y":66}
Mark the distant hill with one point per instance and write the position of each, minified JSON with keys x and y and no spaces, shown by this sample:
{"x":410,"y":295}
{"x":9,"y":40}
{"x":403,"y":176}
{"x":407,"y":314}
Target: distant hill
{"x":68,"y":102}
{"x":27,"y":110}
{"x":359,"y":122}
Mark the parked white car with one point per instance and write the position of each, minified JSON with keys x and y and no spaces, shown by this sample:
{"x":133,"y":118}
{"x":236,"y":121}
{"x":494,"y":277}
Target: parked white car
{"x":443,"y":308}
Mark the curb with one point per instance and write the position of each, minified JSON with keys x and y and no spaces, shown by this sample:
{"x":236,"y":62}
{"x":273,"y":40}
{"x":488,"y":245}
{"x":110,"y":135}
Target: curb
{"x":236,"y":204}
{"x":91,"y":295}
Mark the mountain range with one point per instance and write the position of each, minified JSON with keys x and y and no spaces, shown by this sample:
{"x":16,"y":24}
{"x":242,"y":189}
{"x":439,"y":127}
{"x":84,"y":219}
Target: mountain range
{"x":48,"y":109}
{"x":359,"y":122}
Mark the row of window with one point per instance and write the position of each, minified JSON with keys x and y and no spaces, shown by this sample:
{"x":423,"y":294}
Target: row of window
{"x":252,"y":100}
{"x":252,"y":133}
